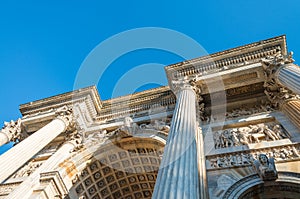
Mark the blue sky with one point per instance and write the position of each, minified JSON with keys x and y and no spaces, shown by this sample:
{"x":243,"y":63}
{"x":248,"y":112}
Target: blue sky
{"x":43,"y":43}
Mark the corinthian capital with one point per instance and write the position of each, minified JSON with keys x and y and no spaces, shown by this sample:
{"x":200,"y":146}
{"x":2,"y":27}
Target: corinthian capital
{"x":275,"y":92}
{"x":13,"y":130}
{"x":76,"y":138}
{"x":66,"y":115}
{"x":278,"y":59}
{"x":185,"y":82}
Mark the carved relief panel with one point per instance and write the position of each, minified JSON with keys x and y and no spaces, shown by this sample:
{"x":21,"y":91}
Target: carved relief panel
{"x":289,"y":152}
{"x":249,"y":134}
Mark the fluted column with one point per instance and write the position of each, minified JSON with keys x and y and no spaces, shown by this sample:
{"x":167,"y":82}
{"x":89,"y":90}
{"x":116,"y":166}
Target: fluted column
{"x":292,"y":109}
{"x":24,"y":190}
{"x":288,"y":76}
{"x":18,"y":155}
{"x":178,"y":174}
{"x":3,"y":138}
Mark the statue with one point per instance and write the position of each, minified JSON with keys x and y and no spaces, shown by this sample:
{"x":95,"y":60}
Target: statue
{"x":279,"y":132}
{"x":268,"y":132}
{"x":156,"y":125}
{"x":265,"y":167}
{"x":129,"y":126}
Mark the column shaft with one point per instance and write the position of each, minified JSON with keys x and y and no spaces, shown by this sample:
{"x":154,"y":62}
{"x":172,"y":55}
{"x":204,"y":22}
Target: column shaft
{"x":14,"y":158}
{"x":201,"y":165}
{"x":289,"y":76}
{"x":292,"y":109}
{"x":178,"y":174}
{"x":24,"y":190}
{"x":3,"y":138}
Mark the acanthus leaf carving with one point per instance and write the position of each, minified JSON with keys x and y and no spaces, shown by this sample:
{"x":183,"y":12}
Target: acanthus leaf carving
{"x":76,"y":138}
{"x":185,"y":82}
{"x":13,"y":130}
{"x":65,"y":114}
{"x":276,"y":93}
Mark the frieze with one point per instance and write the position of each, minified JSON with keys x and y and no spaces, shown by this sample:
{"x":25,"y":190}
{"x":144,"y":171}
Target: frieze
{"x":128,"y":129}
{"x":244,"y":89}
{"x":265,"y":167}
{"x":240,"y":78}
{"x":111,"y":112}
{"x":28,"y":169}
{"x":254,"y":133}
{"x":215,"y":63}
{"x":246,"y":158}
{"x":49,"y":149}
{"x":5,"y":189}
{"x":243,"y":111}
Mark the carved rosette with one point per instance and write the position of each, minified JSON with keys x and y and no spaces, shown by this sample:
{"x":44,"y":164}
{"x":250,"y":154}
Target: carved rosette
{"x":276,"y":93}
{"x":13,"y":130}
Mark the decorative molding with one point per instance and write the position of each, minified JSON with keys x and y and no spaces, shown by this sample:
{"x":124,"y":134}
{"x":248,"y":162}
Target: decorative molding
{"x":244,"y":111}
{"x":265,"y":167}
{"x":284,"y":153}
{"x":54,"y":179}
{"x":27,"y":169}
{"x":128,"y":129}
{"x":276,"y":93}
{"x":13,"y":130}
{"x":65,"y":114}
{"x":136,"y":104}
{"x":76,"y":138}
{"x":185,"y":82}
{"x":252,"y":185}
{"x":231,"y":58}
{"x":67,"y":99}
{"x":7,"y":188}
{"x":254,"y":133}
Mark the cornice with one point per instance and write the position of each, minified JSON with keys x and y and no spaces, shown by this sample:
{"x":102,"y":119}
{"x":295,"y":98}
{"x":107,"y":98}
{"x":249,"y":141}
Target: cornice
{"x":137,"y":102}
{"x":66,"y":99}
{"x":233,"y":57}
{"x":140,"y":103}
{"x":138,"y":97}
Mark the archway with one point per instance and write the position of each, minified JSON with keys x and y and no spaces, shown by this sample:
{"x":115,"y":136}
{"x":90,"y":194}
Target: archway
{"x":122,"y":169}
{"x":287,"y":186}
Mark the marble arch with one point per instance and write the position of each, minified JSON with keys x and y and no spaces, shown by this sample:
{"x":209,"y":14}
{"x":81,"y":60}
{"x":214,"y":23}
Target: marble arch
{"x":286,"y":186}
{"x":126,"y":168}
{"x":76,"y":145}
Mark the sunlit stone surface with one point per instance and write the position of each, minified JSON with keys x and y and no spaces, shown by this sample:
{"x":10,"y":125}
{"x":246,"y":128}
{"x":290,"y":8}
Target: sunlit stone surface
{"x":227,"y":126}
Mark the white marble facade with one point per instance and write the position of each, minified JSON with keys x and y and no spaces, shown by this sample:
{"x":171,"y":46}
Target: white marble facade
{"x":196,"y":138}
